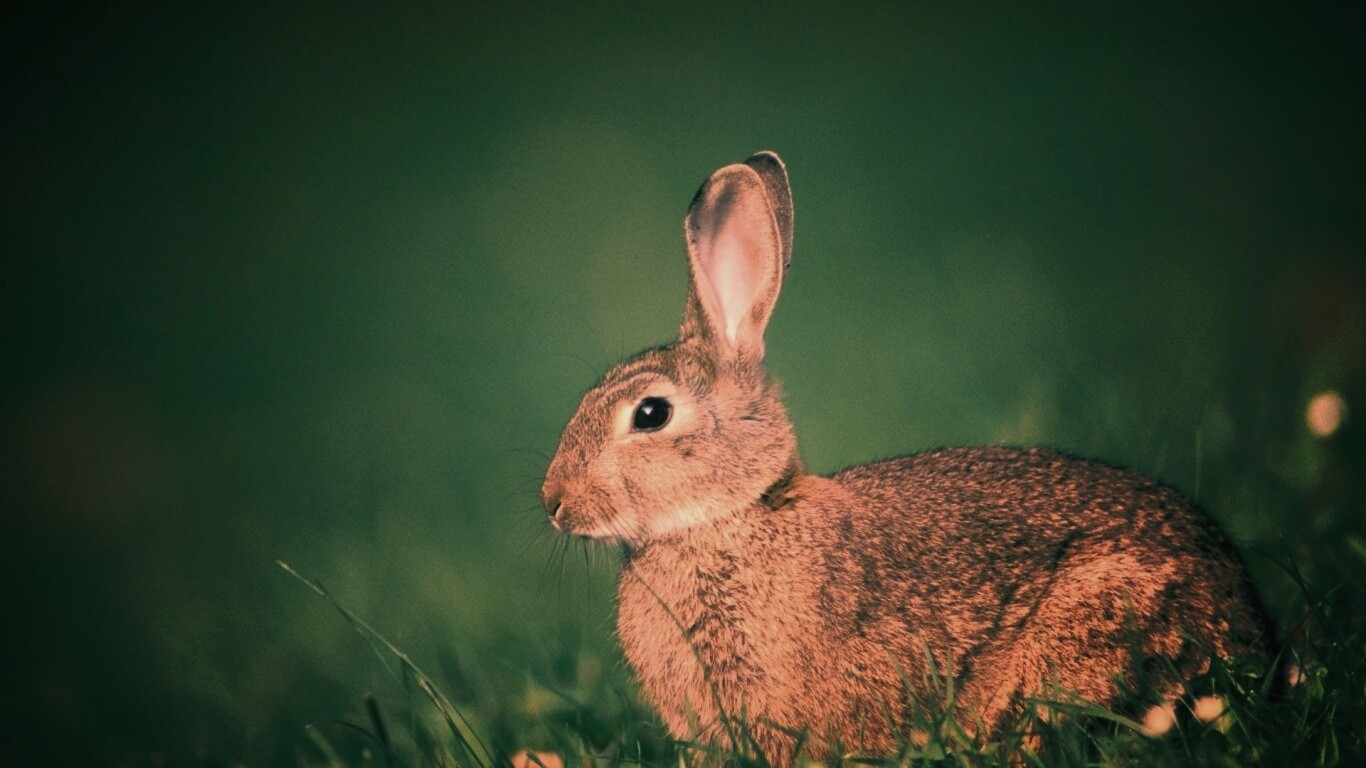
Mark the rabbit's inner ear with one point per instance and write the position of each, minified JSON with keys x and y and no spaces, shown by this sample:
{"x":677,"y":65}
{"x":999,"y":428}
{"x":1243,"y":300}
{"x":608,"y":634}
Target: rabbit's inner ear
{"x":731,"y":278}
{"x":736,"y":258}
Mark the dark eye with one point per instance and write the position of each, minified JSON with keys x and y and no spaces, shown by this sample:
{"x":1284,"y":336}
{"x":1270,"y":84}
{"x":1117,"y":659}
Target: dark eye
{"x":651,"y":414}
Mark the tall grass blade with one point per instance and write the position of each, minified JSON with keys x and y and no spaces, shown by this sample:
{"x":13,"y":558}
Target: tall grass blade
{"x":410,"y":676}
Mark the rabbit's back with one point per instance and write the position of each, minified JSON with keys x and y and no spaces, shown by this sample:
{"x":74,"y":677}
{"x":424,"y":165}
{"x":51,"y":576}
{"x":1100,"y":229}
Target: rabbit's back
{"x":992,"y":543}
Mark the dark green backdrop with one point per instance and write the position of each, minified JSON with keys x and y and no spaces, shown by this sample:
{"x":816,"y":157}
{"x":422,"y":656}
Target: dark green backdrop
{"x":323,"y":284}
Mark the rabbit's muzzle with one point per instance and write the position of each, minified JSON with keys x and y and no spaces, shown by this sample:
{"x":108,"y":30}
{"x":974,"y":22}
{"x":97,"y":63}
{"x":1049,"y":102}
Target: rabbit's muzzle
{"x":566,"y":506}
{"x":552,"y":497}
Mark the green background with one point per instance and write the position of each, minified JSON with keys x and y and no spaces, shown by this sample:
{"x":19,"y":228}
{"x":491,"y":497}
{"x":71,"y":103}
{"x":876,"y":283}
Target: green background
{"x":322,"y":285}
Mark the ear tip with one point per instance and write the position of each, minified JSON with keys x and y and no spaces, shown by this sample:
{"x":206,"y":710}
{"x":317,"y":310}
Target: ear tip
{"x":734,"y":176}
{"x":766,"y":158}
{"x":759,"y":169}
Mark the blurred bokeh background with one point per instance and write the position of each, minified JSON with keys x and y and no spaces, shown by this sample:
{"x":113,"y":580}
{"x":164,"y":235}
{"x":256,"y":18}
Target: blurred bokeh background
{"x":321,"y":285}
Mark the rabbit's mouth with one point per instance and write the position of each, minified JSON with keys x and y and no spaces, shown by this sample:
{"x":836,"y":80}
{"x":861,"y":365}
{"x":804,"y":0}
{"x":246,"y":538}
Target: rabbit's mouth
{"x":601,"y":525}
{"x":555,"y":517}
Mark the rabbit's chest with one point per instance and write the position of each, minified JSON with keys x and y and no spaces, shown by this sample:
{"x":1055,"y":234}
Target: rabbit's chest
{"x":707,"y":609}
{"x":713,"y":626}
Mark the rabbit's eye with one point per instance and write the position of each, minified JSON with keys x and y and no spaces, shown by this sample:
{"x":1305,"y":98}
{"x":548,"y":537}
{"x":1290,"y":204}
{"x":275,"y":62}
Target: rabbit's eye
{"x":652,"y":414}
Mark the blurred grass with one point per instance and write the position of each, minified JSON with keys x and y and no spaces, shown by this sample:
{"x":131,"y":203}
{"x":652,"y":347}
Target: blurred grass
{"x":322,"y":286}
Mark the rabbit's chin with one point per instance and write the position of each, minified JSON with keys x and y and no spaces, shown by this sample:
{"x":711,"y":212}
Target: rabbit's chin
{"x":656,"y":526}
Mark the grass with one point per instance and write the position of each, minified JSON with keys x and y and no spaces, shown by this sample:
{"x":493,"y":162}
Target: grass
{"x":579,"y":711}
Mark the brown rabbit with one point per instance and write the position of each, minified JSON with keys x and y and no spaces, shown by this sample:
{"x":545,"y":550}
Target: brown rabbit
{"x":753,"y":590}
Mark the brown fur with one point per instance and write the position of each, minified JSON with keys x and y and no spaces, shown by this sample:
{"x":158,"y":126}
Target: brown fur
{"x":752,"y":589}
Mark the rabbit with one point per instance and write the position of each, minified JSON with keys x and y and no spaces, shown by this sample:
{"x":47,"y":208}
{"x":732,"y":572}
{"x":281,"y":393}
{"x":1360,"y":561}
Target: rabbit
{"x":753,"y":591}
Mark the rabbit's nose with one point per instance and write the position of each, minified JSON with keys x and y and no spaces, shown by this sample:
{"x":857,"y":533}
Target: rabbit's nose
{"x":552,"y":496}
{"x":552,"y":492}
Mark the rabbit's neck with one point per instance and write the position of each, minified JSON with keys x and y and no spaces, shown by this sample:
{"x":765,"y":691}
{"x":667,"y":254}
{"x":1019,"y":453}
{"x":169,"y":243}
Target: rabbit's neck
{"x":689,"y":521}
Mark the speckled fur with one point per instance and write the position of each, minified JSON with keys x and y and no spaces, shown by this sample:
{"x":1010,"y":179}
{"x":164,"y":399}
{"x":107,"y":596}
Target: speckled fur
{"x":752,"y":588}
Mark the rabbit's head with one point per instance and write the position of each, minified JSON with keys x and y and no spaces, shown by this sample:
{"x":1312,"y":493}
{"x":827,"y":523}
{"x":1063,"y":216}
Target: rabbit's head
{"x":692,"y":430}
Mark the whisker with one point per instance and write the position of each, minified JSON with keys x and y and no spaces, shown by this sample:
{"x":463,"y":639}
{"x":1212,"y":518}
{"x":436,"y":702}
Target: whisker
{"x":539,"y":461}
{"x":587,"y":366}
{"x":546,"y":569}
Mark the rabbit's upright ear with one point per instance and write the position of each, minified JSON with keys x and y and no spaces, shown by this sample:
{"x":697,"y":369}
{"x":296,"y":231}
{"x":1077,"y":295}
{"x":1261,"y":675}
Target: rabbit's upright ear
{"x":736,"y":254}
{"x":771,"y":169}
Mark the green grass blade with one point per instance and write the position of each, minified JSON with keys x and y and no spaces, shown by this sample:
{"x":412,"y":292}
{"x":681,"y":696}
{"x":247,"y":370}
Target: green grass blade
{"x":409,"y":674}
